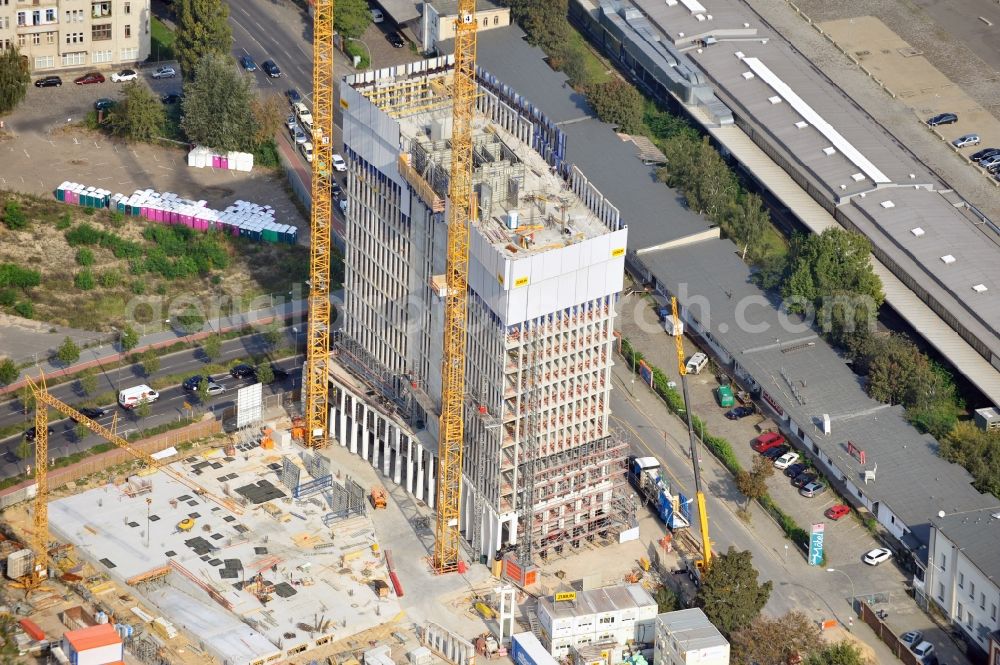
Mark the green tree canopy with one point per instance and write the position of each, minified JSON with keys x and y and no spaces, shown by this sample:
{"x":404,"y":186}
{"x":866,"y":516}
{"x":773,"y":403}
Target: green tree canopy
{"x":753,"y":484}
{"x":841,"y":653}
{"x":729,"y":593}
{"x":217,"y":105}
{"x":88,"y":382}
{"x":8,"y":371}
{"x":68,"y":353}
{"x":202,"y":29}
{"x":617,"y":102}
{"x":264,"y":373}
{"x":269,"y":113}
{"x":544,"y":21}
{"x":352,"y":18}
{"x":666,"y":599}
{"x":978,"y":451}
{"x":128,"y":338}
{"x":14,"y":79}
{"x":139,"y":115}
{"x":150,"y":362}
{"x":212,"y":347}
{"x":769,"y":641}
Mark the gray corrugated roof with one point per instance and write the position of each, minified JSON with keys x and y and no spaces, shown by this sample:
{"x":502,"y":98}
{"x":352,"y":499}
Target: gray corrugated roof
{"x":977,"y":534}
{"x":807,"y":378}
{"x":401,"y":11}
{"x":450,"y":7}
{"x":692,"y":630}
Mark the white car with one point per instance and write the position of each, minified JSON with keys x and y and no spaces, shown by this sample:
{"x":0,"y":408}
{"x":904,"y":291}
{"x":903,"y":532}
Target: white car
{"x":302,"y":112}
{"x":912,"y":638}
{"x":124,"y":75}
{"x":291,"y":122}
{"x":377,"y":16}
{"x":963,"y":141}
{"x":215,"y":388}
{"x":165,"y":73}
{"x":307,"y":151}
{"x":298,"y":135}
{"x":343,"y":206}
{"x":923,"y":650}
{"x":877,"y":556}
{"x":786,"y":461}
{"x":339,"y":164}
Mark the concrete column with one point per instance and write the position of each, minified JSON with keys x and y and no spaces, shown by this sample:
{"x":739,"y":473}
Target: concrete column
{"x":353,"y":433}
{"x":390,"y":443}
{"x":395,"y":464}
{"x":364,"y":431}
{"x":513,"y":529}
{"x":376,"y":444}
{"x":409,"y":465}
{"x":431,"y":472}
{"x":420,"y":471}
{"x":343,"y":417}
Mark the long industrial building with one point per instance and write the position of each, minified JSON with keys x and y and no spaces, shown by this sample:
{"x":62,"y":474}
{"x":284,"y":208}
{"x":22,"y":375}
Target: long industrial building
{"x":818,"y":154}
{"x":546,"y":266}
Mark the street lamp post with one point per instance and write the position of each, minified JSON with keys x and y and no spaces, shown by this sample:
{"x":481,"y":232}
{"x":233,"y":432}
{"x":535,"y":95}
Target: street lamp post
{"x":849,"y":579}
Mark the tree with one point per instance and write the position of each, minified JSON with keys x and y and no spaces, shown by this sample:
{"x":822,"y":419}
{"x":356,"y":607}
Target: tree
{"x":666,"y":599}
{"x":264,"y":373}
{"x":139,"y":116}
{"x":544,"y":21}
{"x":269,"y":114}
{"x":352,"y":18}
{"x":150,"y":362}
{"x":27,"y":398}
{"x":202,"y":391}
{"x":142,"y":410}
{"x":68,"y":353}
{"x":746,"y":222}
{"x":14,"y":219}
{"x":618,"y":103}
{"x":8,"y":638}
{"x":14,"y":78}
{"x":80,"y":432}
{"x":978,"y":451}
{"x":128,"y":338}
{"x":202,"y":29}
{"x":773,"y":641}
{"x":212,"y":347}
{"x":8,"y":371}
{"x":88,"y":382}
{"x":217,"y":105}
{"x":271,"y":338}
{"x":841,"y":653}
{"x":729,"y":593}
{"x":753,"y":484}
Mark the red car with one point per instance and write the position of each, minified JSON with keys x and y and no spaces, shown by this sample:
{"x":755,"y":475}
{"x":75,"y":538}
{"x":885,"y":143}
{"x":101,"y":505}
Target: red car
{"x":836,"y":512}
{"x":91,"y":77}
{"x":766,"y":441}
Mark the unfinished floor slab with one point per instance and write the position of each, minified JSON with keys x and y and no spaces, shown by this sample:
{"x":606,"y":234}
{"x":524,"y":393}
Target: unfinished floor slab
{"x":252,"y":587}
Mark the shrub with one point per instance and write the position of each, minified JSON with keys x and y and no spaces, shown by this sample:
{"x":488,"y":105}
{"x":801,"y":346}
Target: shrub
{"x":109,"y":279}
{"x":14,"y":217}
{"x":84,"y":257}
{"x":84,"y":280}
{"x":18,"y":277}
{"x":64,"y":222}
{"x":138,"y":287}
{"x":8,"y":297}
{"x":25,"y":309}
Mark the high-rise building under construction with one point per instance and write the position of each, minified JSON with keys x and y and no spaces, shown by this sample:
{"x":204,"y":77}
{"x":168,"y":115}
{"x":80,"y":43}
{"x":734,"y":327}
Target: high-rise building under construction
{"x":546,"y":265}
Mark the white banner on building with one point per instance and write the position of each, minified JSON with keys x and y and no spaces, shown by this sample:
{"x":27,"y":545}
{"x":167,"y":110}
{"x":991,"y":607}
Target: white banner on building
{"x":248,"y":405}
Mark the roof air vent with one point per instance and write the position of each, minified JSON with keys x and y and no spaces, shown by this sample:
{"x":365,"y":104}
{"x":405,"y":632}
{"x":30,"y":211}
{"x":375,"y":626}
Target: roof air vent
{"x":917,"y":231}
{"x":748,"y":75}
{"x":948,"y":258}
{"x":829,"y":150}
{"x":887,"y":204}
{"x":858,"y":177}
{"x":801,"y":124}
{"x":980,"y":288}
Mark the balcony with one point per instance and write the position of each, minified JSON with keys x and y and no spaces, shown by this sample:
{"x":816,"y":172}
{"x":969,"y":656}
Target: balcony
{"x":100,"y":9}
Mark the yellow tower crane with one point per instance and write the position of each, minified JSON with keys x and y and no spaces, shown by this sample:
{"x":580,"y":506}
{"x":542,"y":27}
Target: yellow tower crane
{"x":706,"y":543}
{"x":315,"y":382}
{"x":460,"y":216}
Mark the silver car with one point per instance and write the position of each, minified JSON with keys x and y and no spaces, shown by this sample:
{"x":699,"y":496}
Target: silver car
{"x":966,"y":140}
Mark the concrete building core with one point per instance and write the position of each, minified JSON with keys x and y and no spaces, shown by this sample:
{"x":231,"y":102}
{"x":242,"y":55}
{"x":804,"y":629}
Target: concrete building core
{"x":546,"y":265}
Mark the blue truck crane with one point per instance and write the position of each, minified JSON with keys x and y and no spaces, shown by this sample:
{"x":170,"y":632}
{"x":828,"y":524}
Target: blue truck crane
{"x":646,"y":477}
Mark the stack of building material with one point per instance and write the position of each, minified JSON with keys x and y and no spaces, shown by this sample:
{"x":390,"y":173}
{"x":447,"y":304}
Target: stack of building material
{"x":380,"y":655}
{"x":241,"y":219}
{"x":19,"y":563}
{"x":95,"y":645}
{"x":201,"y":157}
{"x":164,"y":628}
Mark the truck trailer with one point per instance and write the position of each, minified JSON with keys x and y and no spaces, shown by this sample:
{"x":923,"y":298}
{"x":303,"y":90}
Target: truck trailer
{"x":647,"y":478}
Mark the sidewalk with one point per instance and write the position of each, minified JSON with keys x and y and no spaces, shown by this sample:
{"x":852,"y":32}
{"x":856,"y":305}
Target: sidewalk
{"x":109,"y":353}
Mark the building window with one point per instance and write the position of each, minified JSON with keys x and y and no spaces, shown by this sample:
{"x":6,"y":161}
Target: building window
{"x":972,"y":590}
{"x":993,"y":611}
{"x":959,"y":613}
{"x":496,"y":20}
{"x":102,"y":56}
{"x":941,"y":591}
{"x":982,"y":600}
{"x":50,"y":38}
{"x":100,"y":9}
{"x":968,"y":622}
{"x":130,"y":54}
{"x":20,"y":41}
{"x":127,"y":8}
{"x":128,"y":31}
{"x":45,"y":62}
{"x":4,"y":22}
{"x":50,"y":16}
{"x":36,"y":17}
{"x":22,"y":18}
{"x":36,"y":39}
{"x":944,"y":561}
{"x":961,"y":580}
{"x":74,"y":37}
{"x":101,"y":32}
{"x":73,"y":59}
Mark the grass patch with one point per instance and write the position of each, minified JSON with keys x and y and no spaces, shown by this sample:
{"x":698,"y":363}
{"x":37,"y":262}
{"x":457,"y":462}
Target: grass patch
{"x":161,"y":41}
{"x":266,"y":155}
{"x":354,"y":49}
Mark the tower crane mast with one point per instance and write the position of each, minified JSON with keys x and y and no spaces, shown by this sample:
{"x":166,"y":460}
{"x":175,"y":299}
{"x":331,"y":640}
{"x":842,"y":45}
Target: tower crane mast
{"x":460,"y":216}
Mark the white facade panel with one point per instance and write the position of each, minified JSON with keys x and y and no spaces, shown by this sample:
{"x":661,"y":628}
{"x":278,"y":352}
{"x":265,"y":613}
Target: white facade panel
{"x":100,"y":655}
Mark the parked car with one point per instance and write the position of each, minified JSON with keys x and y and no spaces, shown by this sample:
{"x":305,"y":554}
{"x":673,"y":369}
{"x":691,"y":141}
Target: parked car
{"x":247,"y":63}
{"x":291,"y":122}
{"x":172,"y":98}
{"x":984,"y":153}
{"x":302,"y":113}
{"x":696,"y":363}
{"x":31,"y":433}
{"x":243,"y":372}
{"x":165,"y":73}
{"x":837,"y":511}
{"x":911,"y":638}
{"x":307,"y":150}
{"x":293,"y":96}
{"x":795,"y":470}
{"x":192,"y":382}
{"x":395,"y":39}
{"x":966,"y":140}
{"x":48,"y":82}
{"x":88,"y":78}
{"x":766,"y":441}
{"x":943,"y":119}
{"x":786,"y":460}
{"x":335,"y":189}
{"x":103,"y":104}
{"x":93,"y":413}
{"x":377,"y":16}
{"x":990,"y":163}
{"x":270,"y":69}
{"x":343,"y":206}
{"x":124,"y":76}
{"x":339,"y":164}
{"x":804,"y":479}
{"x":923,"y":650}
{"x":739,"y":412}
{"x":298,"y":135}
{"x":812,"y":489}
{"x":875,"y":557}
{"x":279,"y":373}
{"x":215,"y":388}
{"x":775,"y":453}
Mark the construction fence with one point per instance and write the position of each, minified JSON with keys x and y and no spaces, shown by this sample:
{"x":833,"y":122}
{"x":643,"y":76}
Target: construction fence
{"x":101,"y":461}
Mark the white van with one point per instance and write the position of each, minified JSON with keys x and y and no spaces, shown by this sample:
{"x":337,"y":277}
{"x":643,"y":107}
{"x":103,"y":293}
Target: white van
{"x":131,"y":397}
{"x":696,"y":363}
{"x":307,"y":150}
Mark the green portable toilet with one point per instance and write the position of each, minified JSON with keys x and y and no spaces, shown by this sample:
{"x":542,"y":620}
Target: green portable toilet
{"x":725,"y":396}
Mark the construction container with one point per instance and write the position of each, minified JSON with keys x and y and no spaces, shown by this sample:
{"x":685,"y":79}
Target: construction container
{"x":420,"y":656}
{"x":95,"y":645}
{"x":31,"y":629}
{"x":19,"y":563}
{"x":725,"y":396}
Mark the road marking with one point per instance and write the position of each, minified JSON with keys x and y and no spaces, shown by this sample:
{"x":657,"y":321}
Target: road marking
{"x":26,"y":153}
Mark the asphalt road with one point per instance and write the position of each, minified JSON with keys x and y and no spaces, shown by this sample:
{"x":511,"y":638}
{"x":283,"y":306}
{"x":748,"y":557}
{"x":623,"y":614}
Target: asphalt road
{"x":170,"y":405}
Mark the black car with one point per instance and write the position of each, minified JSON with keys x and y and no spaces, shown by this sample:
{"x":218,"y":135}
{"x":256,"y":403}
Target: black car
{"x":243,"y":372}
{"x":739,"y":412}
{"x":984,"y":153}
{"x":48,"y":82}
{"x":335,"y":190}
{"x":775,"y":453}
{"x":943,"y":119}
{"x":171,"y":98}
{"x":794,"y":470}
{"x":103,"y":104}
{"x":29,"y":433}
{"x":804,"y":479}
{"x":395,"y":39}
{"x":92,"y":412}
{"x":293,"y":95}
{"x":192,"y":382}
{"x":270,"y":69}
{"x":279,"y":374}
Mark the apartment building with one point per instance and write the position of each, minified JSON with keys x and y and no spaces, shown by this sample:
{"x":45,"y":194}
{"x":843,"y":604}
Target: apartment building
{"x":74,"y":34}
{"x":545,"y":269}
